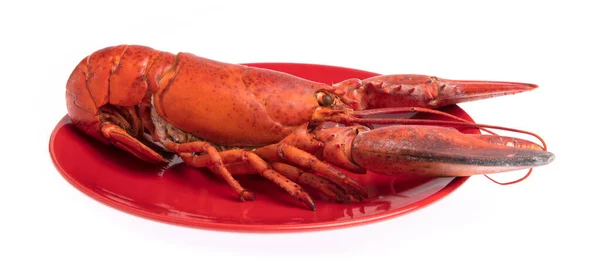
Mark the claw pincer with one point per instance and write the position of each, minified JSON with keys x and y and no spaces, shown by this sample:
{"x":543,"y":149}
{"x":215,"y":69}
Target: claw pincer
{"x":388,"y":91}
{"x":439,"y":151}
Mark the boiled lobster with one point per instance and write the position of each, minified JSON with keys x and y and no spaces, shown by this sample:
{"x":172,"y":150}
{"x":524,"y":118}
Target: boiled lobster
{"x":236,"y":119}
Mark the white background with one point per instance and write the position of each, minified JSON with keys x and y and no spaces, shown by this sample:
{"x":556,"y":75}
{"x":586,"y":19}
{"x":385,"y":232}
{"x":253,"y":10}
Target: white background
{"x":546,"y":220}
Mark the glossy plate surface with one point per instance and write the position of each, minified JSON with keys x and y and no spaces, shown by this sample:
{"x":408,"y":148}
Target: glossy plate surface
{"x":181,"y":195}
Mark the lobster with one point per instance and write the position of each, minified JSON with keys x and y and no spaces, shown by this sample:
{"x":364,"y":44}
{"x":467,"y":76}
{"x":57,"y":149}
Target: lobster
{"x":235,"y":119}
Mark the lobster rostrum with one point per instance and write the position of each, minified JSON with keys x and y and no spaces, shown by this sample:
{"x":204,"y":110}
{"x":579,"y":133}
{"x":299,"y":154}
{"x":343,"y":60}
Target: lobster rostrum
{"x":236,"y":119}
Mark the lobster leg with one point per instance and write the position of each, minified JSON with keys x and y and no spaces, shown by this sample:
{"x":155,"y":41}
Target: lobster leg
{"x":254,"y":161}
{"x":303,"y":143}
{"x":292,"y":188}
{"x":300,"y":148}
{"x":234,"y":162}
{"x":185,"y":150}
{"x":120,"y":138}
{"x":288,"y":150}
{"x":313,"y":180}
{"x":309,"y":161}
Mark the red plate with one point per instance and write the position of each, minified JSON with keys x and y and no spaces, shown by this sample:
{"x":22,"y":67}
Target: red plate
{"x":181,"y":195}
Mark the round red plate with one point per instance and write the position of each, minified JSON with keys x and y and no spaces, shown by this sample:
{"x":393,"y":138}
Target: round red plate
{"x":181,"y":195}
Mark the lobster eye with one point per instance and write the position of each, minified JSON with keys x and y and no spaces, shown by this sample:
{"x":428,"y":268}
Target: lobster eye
{"x":324,"y":99}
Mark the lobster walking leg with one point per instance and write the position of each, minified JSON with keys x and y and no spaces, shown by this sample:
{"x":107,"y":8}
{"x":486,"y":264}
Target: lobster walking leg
{"x":215,"y":162}
{"x":292,"y":188}
{"x":256,"y":163}
{"x":306,"y":160}
{"x":312,"y":180}
{"x":235,"y":163}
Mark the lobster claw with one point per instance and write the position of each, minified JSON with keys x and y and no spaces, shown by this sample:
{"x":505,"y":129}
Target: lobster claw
{"x":390,"y":91}
{"x":439,"y":151}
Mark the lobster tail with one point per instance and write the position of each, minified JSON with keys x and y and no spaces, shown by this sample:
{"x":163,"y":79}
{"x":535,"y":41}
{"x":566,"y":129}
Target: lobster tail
{"x":81,"y":105}
{"x":108,"y":95}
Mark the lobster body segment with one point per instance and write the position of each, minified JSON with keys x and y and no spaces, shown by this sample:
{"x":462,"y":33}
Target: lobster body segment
{"x":236,"y":119}
{"x":209,"y":94}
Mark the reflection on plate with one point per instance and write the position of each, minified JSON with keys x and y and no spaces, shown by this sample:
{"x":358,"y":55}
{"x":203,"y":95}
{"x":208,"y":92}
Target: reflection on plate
{"x":177,"y":194}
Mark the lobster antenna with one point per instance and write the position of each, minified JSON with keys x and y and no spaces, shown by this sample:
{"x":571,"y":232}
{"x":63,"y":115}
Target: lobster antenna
{"x":414,"y":109}
{"x":511,"y":182}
